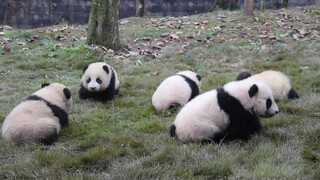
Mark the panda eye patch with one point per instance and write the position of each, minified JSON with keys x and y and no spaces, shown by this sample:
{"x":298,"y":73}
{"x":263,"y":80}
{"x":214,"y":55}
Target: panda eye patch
{"x":99,"y":81}
{"x":88,"y":80}
{"x":269,"y":103}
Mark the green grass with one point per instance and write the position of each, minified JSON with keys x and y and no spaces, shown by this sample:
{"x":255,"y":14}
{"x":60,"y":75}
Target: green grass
{"x":127,"y":139}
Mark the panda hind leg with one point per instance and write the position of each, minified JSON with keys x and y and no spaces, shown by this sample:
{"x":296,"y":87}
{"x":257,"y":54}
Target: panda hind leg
{"x":293,"y":94}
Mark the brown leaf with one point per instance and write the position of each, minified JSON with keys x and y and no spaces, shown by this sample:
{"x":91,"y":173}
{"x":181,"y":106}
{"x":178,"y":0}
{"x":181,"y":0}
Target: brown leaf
{"x":59,"y":45}
{"x":62,"y":29}
{"x":83,"y":38}
{"x":104,"y":48}
{"x":110,"y":51}
{"x":174,"y":36}
{"x":7,"y":48}
{"x":147,"y":38}
{"x":296,"y":36}
{"x":156,"y":47}
{"x":125,"y":21}
{"x":264,"y":36}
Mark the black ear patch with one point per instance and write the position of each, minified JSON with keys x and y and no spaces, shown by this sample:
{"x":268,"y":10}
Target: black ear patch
{"x":253,"y":90}
{"x":85,"y":68}
{"x":105,"y":68}
{"x":198,"y":77}
{"x":44,"y":85}
{"x":243,"y":75}
{"x":67,"y":93}
{"x":293,"y":94}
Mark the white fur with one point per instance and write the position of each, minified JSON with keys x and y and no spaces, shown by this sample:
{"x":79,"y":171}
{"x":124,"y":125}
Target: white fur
{"x":95,"y":71}
{"x":277,"y":81}
{"x":174,"y":89}
{"x":202,"y":117}
{"x":33,"y":120}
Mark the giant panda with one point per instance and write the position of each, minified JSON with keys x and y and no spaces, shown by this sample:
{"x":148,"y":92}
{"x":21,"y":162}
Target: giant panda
{"x":230,"y":112}
{"x":278,"y":82}
{"x":99,"y":82}
{"x":40,"y":116}
{"x":176,"y":90}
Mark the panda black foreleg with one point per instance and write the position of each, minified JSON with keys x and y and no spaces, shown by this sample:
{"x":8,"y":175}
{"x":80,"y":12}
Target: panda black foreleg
{"x":83,"y":93}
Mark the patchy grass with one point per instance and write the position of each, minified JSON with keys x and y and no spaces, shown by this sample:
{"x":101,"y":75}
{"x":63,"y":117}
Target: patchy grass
{"x":126,"y":138}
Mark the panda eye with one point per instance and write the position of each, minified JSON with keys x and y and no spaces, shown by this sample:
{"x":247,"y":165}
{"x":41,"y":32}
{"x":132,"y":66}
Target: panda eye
{"x":88,"y":80}
{"x":269,"y":103}
{"x":99,"y":81}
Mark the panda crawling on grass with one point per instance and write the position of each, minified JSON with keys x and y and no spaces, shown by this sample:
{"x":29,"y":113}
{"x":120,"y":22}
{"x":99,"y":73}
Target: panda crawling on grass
{"x":99,"y":82}
{"x":231,"y":112}
{"x":176,"y":90}
{"x":40,"y":116}
{"x":278,"y":82}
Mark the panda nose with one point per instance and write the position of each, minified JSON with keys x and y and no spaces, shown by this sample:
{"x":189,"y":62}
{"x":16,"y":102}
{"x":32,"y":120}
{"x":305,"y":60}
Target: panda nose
{"x":277,"y":112}
{"x":92,"y":88}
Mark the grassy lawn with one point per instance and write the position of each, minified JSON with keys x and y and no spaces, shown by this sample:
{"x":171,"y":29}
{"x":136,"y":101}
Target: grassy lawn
{"x":126,"y":138}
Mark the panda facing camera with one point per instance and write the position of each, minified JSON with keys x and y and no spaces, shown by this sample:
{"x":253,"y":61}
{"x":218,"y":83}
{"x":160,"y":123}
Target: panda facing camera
{"x":99,"y":82}
{"x":40,"y":117}
{"x":176,"y":90}
{"x":231,"y":112}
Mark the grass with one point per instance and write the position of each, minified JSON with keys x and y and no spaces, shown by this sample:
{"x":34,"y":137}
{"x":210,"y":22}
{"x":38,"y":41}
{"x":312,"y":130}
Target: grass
{"x":126,"y":138}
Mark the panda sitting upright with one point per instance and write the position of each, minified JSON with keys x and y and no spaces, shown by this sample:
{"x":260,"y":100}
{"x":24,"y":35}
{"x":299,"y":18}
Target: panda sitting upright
{"x":99,"y":82}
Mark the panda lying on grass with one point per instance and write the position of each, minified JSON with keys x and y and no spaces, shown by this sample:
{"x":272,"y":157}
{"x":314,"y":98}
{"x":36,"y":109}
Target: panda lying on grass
{"x":231,"y":112}
{"x":40,"y":116}
{"x":277,"y":81}
{"x":176,"y":90}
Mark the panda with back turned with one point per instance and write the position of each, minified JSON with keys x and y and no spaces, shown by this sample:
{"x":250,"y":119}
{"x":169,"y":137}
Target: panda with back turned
{"x":231,"y":112}
{"x":176,"y":90}
{"x":99,"y":82}
{"x":276,"y":80}
{"x":40,"y":117}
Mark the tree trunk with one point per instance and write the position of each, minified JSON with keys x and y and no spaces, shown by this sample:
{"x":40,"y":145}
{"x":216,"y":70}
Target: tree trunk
{"x":103,"y":28}
{"x":141,"y":8}
{"x":248,"y":7}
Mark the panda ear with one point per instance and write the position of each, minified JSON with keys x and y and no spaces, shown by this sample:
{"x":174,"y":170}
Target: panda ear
{"x":67,"y":93}
{"x":85,"y":68}
{"x":105,"y":68}
{"x":44,"y":85}
{"x":198,"y":77}
{"x":243,"y":75}
{"x":253,"y":90}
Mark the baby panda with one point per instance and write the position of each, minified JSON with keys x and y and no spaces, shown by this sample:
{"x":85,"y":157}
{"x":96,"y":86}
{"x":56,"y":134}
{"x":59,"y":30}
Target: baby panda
{"x":231,"y":112}
{"x":176,"y":90}
{"x":40,"y":116}
{"x":277,"y":81}
{"x":99,"y":82}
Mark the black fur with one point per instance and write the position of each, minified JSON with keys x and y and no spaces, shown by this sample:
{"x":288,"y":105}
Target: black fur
{"x":243,"y":75}
{"x":85,"y":68}
{"x":44,"y":85}
{"x":173,"y":130}
{"x":67,"y":93}
{"x":253,"y":90}
{"x":174,"y":106}
{"x":102,"y":96}
{"x":293,"y":94}
{"x":57,"y":111}
{"x":50,"y":139}
{"x":242,"y":123}
{"x":194,"y":88}
{"x":106,"y":69}
{"x":198,"y":77}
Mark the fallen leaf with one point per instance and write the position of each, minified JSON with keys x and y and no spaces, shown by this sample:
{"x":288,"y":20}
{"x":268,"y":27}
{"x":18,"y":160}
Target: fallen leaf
{"x":174,"y":36}
{"x":21,"y":43}
{"x":1,"y":33}
{"x":7,"y":48}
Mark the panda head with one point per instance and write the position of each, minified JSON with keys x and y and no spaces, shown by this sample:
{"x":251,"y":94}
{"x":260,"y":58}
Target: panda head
{"x":96,"y":76}
{"x":255,"y":96}
{"x":193,"y":76}
{"x":56,"y":93}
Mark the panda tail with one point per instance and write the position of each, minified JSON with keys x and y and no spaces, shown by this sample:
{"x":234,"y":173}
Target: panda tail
{"x":173,"y":130}
{"x":293,"y":94}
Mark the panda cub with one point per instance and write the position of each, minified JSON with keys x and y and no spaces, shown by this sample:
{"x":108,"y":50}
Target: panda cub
{"x":40,"y":116}
{"x":99,"y":82}
{"x":231,"y":112}
{"x":176,"y":90}
{"x":277,"y":81}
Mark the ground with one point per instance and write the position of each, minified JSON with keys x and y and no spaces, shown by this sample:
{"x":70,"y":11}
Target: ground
{"x":126,"y":138}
